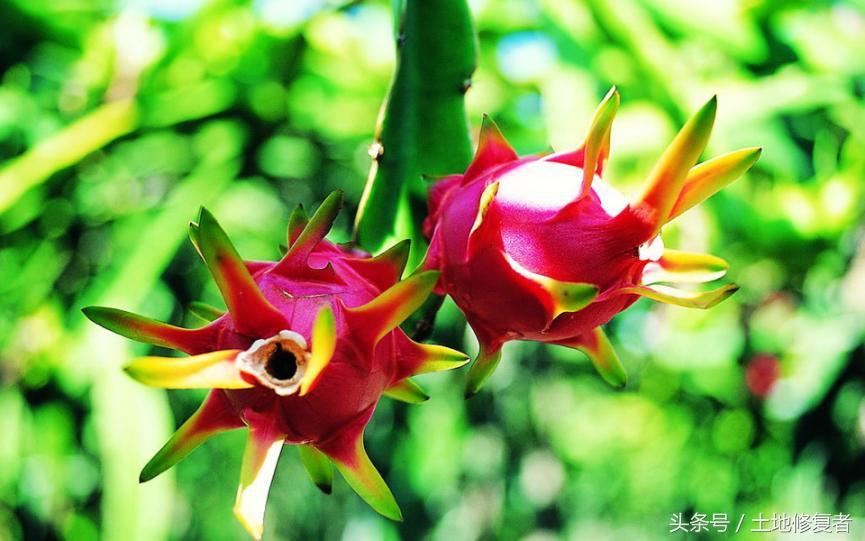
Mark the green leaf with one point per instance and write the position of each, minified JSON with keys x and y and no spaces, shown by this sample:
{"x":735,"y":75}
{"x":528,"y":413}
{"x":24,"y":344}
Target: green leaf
{"x":101,"y":126}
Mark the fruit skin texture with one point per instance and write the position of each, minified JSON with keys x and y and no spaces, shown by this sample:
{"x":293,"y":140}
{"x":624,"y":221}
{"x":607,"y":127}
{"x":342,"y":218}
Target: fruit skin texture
{"x":308,"y":346}
{"x":533,"y":248}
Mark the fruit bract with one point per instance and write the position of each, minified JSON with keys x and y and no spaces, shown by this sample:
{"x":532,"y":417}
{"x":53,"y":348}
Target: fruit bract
{"x":542,"y":248}
{"x":306,"y":349}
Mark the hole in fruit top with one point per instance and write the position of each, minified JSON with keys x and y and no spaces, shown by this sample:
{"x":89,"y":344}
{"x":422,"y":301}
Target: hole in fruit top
{"x":281,"y":363}
{"x":278,"y":362}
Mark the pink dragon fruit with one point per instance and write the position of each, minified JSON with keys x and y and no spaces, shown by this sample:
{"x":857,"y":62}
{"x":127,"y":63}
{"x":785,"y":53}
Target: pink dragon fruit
{"x":541,"y":248}
{"x":307,"y":348}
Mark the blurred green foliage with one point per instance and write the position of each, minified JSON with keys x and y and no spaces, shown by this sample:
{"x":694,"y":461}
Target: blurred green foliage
{"x":119,"y":118}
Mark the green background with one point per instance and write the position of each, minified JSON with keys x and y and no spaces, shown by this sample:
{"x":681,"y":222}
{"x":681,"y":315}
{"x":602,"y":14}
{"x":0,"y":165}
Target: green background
{"x":119,"y":118}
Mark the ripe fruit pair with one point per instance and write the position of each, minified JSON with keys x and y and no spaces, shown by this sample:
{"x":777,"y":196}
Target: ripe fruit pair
{"x":534,"y":248}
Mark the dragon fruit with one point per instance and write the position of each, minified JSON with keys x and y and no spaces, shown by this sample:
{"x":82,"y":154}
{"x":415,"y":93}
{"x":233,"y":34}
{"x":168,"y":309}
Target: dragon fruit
{"x":307,"y":348}
{"x":542,"y":248}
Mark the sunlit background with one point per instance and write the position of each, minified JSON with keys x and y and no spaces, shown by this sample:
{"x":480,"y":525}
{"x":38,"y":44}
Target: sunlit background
{"x":118,"y":119}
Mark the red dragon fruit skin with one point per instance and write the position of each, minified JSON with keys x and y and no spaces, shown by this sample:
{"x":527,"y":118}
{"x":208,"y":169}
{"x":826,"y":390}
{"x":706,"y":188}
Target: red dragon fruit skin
{"x":530,"y":250}
{"x":307,"y":348}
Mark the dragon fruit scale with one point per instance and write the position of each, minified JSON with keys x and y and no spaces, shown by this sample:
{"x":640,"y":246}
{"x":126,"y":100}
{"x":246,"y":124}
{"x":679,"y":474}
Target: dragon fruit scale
{"x":542,"y":248}
{"x":306,"y":349}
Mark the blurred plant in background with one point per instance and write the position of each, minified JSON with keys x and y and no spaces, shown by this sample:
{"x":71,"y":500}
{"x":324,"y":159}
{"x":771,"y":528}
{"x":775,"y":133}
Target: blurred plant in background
{"x":118,"y":119}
